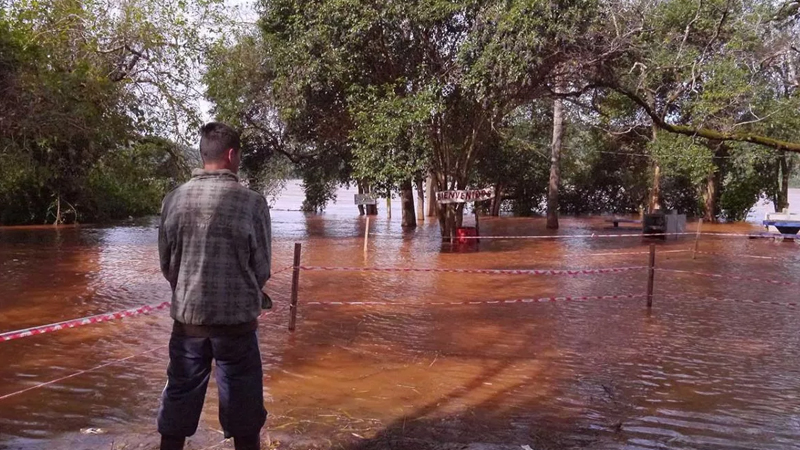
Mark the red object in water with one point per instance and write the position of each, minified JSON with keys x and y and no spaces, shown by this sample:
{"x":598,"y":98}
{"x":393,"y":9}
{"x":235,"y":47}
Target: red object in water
{"x":463,"y":235}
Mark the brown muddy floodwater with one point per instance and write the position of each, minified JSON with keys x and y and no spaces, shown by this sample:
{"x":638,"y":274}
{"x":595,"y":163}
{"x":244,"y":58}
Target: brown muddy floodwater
{"x":693,"y":373}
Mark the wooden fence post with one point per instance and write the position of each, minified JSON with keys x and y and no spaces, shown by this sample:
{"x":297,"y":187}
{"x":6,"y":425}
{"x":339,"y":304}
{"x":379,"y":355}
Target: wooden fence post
{"x":366,"y":235}
{"x":697,"y":239}
{"x":295,"y":286}
{"x":650,"y":275}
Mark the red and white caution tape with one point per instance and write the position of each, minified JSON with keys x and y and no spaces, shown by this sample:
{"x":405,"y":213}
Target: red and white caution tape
{"x":730,"y":277}
{"x":776,"y":258}
{"x":11,"y":335}
{"x":98,"y":367}
{"x":736,"y":300}
{"x":283,"y":270}
{"x":483,"y":271}
{"x":481,"y":302}
{"x":624,"y":253}
{"x":755,"y":302}
{"x":578,"y":236}
{"x":634,"y":235}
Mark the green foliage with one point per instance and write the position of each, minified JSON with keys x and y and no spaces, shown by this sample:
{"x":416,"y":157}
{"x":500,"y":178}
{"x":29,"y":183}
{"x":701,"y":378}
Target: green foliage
{"x":603,"y":174}
{"x":60,"y":114}
{"x":681,"y":156}
{"x":130,"y":182}
{"x":679,"y":193}
{"x":319,"y":189}
{"x":516,"y":161}
{"x":83,"y":80}
{"x":389,"y":142}
{"x":742,"y":191}
{"x":272,"y":178}
{"x":22,"y":192}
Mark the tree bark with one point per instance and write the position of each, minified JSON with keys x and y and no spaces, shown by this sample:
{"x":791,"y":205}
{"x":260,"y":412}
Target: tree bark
{"x":409,"y":219}
{"x":389,"y":206}
{"x":711,"y":197}
{"x":713,"y":186}
{"x":497,"y":200}
{"x":58,"y":210}
{"x":430,"y":192}
{"x":451,"y":216}
{"x":654,"y":203}
{"x":360,"y":191}
{"x":655,"y":192}
{"x":782,"y":202}
{"x":420,"y":199}
{"x":555,"y":164}
{"x":371,"y":210}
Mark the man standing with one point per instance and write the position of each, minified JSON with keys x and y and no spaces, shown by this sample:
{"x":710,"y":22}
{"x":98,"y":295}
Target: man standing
{"x":215,"y":249}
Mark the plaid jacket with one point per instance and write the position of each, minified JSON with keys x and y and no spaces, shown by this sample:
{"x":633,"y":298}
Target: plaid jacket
{"x":215,"y":243}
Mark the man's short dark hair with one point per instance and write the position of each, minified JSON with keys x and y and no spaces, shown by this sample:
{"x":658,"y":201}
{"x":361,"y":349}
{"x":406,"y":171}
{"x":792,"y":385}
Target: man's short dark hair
{"x":216,"y":139}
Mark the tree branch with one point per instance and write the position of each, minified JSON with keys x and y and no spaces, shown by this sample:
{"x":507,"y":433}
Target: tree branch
{"x":276,"y":144}
{"x":707,"y":133}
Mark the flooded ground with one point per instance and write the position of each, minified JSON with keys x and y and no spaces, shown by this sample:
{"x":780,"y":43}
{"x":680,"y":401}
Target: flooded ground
{"x":692,"y":373}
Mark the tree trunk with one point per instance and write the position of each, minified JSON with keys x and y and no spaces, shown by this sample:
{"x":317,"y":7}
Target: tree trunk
{"x":389,"y":206}
{"x":58,"y":210}
{"x":430,"y":192}
{"x":555,"y":164}
{"x":409,"y":219}
{"x":420,"y":199}
{"x":360,"y":191}
{"x":497,"y":200}
{"x":783,"y":191}
{"x":371,"y":210}
{"x":713,"y":187}
{"x":711,"y":197}
{"x":451,"y":216}
{"x":654,"y":201}
{"x":655,"y":192}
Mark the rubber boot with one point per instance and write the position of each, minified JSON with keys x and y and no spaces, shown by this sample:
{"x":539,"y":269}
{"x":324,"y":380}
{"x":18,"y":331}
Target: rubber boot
{"x":172,"y":442}
{"x":247,"y":442}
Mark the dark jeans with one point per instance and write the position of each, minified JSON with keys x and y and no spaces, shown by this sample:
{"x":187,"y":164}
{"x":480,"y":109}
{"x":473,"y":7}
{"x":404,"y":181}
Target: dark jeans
{"x":239,"y":380}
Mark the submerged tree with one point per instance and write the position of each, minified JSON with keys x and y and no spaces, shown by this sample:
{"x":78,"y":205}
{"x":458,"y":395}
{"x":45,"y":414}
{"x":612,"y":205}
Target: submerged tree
{"x":462,"y":66}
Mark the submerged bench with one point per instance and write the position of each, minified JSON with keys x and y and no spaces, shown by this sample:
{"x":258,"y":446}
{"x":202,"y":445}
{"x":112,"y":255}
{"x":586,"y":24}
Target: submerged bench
{"x":616,"y":221}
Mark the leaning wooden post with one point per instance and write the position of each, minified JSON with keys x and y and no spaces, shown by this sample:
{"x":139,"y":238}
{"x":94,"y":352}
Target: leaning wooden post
{"x":650,"y":275}
{"x":366,"y":235}
{"x":697,"y":239}
{"x":295,"y":286}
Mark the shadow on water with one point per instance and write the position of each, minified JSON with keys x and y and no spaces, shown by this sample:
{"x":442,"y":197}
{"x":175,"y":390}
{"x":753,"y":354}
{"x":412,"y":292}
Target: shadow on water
{"x":444,"y":383}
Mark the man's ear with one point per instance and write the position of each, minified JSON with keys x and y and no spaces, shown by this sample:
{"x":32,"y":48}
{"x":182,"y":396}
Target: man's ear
{"x":231,"y":154}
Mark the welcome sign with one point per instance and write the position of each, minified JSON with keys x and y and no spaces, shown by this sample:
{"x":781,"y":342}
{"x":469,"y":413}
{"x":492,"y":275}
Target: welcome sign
{"x":477,"y":195}
{"x":366,"y":199}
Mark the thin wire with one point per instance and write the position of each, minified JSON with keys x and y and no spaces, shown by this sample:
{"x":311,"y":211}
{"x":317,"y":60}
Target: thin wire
{"x":81,"y":372}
